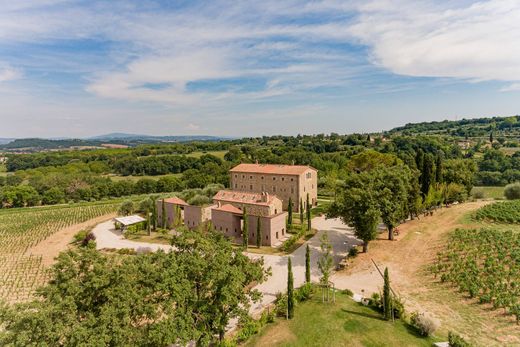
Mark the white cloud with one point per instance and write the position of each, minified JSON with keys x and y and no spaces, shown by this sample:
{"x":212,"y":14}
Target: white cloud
{"x":8,"y":73}
{"x":513,"y":87}
{"x":424,"y":38}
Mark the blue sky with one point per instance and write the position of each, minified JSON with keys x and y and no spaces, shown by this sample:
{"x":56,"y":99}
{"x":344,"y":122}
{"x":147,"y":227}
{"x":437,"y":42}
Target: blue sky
{"x":248,"y":68}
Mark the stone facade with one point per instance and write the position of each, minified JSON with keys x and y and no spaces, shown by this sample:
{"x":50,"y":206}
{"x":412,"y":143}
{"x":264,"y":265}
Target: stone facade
{"x":196,"y":215}
{"x":285,"y":181}
{"x":258,"y":204}
{"x":170,"y":206}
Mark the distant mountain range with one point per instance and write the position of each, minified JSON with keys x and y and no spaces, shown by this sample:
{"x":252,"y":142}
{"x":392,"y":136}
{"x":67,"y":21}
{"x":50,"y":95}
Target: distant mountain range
{"x":173,"y":138}
{"x":38,"y":144}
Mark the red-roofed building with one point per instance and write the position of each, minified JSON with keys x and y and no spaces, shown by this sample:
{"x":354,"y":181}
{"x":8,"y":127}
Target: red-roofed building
{"x":258,"y":204}
{"x":285,"y":181}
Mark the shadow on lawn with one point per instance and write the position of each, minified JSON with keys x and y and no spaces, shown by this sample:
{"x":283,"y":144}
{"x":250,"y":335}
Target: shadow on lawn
{"x":363,"y":314}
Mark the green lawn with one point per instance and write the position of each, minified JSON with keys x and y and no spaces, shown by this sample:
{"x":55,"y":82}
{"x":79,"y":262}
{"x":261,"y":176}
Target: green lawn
{"x":219,"y":154}
{"x":491,"y":192}
{"x":345,"y":323}
{"x":137,"y":178}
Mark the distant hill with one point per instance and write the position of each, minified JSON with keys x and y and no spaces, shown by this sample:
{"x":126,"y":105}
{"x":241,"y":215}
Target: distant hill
{"x":152,"y":138}
{"x":476,"y":127}
{"x":3,"y":141}
{"x":39,"y":144}
{"x":43,"y":144}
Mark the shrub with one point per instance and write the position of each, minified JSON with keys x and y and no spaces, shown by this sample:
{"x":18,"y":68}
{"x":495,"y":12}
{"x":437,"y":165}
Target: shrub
{"x":424,"y":322}
{"x":304,"y":293}
{"x":348,"y":292}
{"x":127,"y":208}
{"x":90,"y":237}
{"x":512,"y":191}
{"x":456,"y":340}
{"x":248,"y":328}
{"x":281,"y":305}
{"x":353,"y":252}
{"x":478,"y":194}
{"x":80,"y":236}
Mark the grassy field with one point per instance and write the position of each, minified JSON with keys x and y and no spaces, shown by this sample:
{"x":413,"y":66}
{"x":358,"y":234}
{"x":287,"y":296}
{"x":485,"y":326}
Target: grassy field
{"x":344,"y":323}
{"x":490,"y":192}
{"x":219,"y":154}
{"x":510,"y":150}
{"x":137,"y":178}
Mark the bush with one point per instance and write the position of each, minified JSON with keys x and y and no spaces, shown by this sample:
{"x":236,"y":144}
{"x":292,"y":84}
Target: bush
{"x":478,"y":194}
{"x":348,"y":292}
{"x":247,"y":329}
{"x":80,"y":236}
{"x":281,"y":305}
{"x":425,"y":323}
{"x":89,"y":240}
{"x":127,"y":208}
{"x":353,"y":251}
{"x":304,"y":293}
{"x":512,"y":191}
{"x":456,"y":340}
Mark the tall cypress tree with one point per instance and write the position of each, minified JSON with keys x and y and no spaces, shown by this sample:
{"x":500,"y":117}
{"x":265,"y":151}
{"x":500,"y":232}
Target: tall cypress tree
{"x":387,"y":300}
{"x":289,"y":208}
{"x":163,"y":214}
{"x":301,"y":213}
{"x":308,"y":264}
{"x":245,"y":230}
{"x":154,"y":214}
{"x":308,"y":214}
{"x":427,"y":175}
{"x":258,"y":232}
{"x":290,"y":290}
{"x":438,"y":168}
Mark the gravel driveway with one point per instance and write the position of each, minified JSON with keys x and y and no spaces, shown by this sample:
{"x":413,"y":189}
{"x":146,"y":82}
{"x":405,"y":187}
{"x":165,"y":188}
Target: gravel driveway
{"x":341,"y":238}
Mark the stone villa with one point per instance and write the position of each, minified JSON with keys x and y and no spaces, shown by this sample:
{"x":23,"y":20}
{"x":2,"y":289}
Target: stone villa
{"x":263,"y":190}
{"x":284,"y":181}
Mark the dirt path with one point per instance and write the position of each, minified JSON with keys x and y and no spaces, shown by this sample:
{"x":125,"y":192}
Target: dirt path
{"x":407,"y":260}
{"x":60,"y":240}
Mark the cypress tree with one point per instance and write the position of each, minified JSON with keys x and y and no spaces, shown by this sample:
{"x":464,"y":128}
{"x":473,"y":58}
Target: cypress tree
{"x":289,"y":208}
{"x":154,"y":214}
{"x":308,"y":264}
{"x":163,"y":214}
{"x":427,"y":175}
{"x":438,"y":168}
{"x":308,"y":214}
{"x":301,"y":212}
{"x":290,"y":290}
{"x":245,"y":230}
{"x":386,"y":297}
{"x":258,"y":233}
{"x":491,"y":137}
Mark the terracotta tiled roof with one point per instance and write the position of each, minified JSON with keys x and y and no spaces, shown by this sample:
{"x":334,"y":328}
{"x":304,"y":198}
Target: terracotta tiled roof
{"x":244,"y":197}
{"x":175,"y":200}
{"x":272,"y":169}
{"x":229,"y":208}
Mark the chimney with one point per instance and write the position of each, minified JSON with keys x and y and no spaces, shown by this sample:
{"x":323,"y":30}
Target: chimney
{"x":265,"y":197}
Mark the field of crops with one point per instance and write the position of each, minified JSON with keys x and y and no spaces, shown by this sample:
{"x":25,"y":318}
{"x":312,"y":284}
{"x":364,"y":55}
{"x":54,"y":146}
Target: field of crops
{"x":20,"y":271}
{"x":484,"y":263}
{"x":503,"y":212}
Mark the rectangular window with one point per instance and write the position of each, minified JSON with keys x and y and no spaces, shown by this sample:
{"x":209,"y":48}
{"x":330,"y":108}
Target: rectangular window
{"x":250,"y":177}
{"x":251,"y":187}
{"x":274,"y":178}
{"x":274,"y":189}
{"x":292,"y":190}
{"x":283,"y":179}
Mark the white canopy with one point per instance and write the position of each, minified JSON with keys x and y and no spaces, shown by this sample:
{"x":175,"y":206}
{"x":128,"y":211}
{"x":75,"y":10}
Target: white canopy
{"x":129,"y":220}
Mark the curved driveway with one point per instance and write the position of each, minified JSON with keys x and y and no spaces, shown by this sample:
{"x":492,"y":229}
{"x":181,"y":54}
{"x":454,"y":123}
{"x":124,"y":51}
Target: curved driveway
{"x":341,"y":238}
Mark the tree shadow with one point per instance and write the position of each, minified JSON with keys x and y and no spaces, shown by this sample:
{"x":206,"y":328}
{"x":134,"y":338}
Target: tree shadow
{"x":363,"y":314}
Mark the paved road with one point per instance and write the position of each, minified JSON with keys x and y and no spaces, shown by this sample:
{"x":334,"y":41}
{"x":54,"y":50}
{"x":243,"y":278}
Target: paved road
{"x":341,"y":238}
